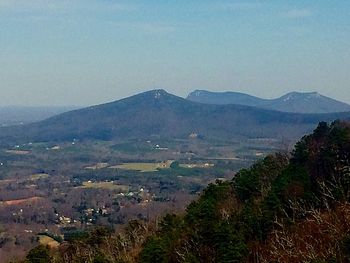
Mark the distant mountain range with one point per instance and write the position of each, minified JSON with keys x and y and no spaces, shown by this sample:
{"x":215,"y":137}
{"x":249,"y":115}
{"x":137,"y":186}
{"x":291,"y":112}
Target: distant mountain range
{"x":310,"y":102}
{"x":159,"y":114}
{"x":17,"y":115}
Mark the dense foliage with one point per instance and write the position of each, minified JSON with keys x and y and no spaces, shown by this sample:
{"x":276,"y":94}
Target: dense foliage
{"x":217,"y":226}
{"x":233,"y":221}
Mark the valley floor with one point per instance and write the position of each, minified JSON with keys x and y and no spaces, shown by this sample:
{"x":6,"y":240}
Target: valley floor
{"x":58,"y":189}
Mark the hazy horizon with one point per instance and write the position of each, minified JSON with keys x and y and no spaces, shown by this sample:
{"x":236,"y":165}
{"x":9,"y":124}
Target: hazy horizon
{"x":89,"y":52}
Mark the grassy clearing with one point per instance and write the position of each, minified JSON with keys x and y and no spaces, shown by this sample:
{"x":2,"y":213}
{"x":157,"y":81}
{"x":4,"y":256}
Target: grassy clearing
{"x":38,"y":176}
{"x":18,"y":152}
{"x":48,"y":241}
{"x":142,"y":167}
{"x":97,"y":166}
{"x":196,"y":165}
{"x":104,"y":185}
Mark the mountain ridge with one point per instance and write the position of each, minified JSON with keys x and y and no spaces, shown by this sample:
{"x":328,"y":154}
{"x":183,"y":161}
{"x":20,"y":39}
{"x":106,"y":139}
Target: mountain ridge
{"x":158,"y":113}
{"x":297,"y":102}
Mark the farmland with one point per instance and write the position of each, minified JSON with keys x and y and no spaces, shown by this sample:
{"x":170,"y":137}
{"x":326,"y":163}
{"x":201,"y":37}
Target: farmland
{"x":104,"y":185}
{"x":21,"y":201}
{"x":142,"y":167}
{"x":18,"y":152}
{"x":48,"y":241}
{"x":38,"y":176}
{"x":76,"y":185}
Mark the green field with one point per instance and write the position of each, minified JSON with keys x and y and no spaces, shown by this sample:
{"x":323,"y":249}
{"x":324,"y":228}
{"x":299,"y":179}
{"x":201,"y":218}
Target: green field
{"x":142,"y":167}
{"x":104,"y":185}
{"x":38,"y":176}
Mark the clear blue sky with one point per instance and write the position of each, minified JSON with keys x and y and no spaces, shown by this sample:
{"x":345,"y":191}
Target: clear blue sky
{"x":82,"y":52}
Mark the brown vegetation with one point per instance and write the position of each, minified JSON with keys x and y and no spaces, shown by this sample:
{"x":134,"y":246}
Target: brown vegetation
{"x":319,"y":236}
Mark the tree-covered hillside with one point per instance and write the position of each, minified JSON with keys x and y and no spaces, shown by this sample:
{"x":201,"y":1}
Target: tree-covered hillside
{"x":282,"y":209}
{"x":258,"y":216}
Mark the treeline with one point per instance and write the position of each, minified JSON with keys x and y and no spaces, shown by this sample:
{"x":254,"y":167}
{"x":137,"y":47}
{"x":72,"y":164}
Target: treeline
{"x":283,"y":209}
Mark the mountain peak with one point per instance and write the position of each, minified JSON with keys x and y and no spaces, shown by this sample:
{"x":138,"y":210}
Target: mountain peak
{"x":155,"y":93}
{"x":296,"y":94}
{"x":158,"y":93}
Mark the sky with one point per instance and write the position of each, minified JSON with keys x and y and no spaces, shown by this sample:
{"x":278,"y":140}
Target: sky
{"x":84,"y":52}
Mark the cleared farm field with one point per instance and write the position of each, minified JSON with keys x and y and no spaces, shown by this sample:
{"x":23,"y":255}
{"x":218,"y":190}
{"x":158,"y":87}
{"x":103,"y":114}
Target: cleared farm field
{"x":21,"y":201}
{"x":48,"y":241}
{"x":97,"y":166}
{"x":142,"y":167}
{"x":17,"y":152}
{"x":196,"y":165}
{"x":38,"y":176}
{"x":104,"y":185}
